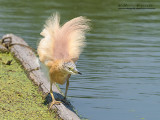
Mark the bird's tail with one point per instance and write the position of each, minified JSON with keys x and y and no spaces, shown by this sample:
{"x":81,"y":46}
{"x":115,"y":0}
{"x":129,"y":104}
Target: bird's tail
{"x":62,"y":42}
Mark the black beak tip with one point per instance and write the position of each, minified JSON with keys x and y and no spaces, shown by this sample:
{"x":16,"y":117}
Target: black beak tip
{"x":80,"y":73}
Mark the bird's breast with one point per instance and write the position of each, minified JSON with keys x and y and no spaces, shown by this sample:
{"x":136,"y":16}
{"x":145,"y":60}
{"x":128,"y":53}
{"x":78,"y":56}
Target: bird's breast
{"x":60,"y":77}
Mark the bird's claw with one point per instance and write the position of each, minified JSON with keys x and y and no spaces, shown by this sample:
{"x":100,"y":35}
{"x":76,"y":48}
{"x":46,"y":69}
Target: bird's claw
{"x":54,"y":103}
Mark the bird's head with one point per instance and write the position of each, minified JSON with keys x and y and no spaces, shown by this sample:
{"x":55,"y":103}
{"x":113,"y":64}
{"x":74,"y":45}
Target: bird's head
{"x":70,"y":67}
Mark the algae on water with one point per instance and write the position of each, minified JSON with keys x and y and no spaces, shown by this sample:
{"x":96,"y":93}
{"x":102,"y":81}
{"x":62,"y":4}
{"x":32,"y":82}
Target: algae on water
{"x":19,"y":98}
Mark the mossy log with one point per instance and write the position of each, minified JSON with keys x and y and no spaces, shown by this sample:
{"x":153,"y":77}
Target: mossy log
{"x":30,"y":62}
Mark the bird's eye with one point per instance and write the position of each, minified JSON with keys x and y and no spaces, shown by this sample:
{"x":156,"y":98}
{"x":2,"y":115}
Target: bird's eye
{"x":70,"y":68}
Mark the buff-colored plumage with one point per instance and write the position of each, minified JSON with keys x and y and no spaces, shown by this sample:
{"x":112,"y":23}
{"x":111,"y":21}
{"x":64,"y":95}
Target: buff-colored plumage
{"x":61,"y":44}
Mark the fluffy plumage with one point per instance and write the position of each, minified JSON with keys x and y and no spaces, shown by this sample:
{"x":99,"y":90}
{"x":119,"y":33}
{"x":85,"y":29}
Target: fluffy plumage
{"x":62,"y":42}
{"x":60,"y":49}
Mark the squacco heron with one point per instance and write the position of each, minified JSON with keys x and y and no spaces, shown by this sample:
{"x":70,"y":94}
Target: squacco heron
{"x":60,"y":49}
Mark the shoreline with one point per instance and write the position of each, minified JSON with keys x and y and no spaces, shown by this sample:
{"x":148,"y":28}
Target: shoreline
{"x":29,"y":62}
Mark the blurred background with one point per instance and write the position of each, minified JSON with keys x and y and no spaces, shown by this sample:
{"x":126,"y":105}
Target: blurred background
{"x":121,"y":63}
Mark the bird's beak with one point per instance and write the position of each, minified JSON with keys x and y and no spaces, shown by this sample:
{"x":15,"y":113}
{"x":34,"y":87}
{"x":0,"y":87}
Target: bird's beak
{"x":77,"y":72}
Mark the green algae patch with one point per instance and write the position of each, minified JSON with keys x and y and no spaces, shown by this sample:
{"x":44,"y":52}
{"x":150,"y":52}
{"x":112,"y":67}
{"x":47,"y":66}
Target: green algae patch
{"x":19,"y":97}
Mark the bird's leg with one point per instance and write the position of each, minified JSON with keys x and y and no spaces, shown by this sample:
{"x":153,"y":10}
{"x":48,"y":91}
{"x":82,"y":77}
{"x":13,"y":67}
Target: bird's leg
{"x":53,"y":99}
{"x":67,"y":85}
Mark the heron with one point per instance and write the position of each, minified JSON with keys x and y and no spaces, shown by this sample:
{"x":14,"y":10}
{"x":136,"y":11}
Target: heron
{"x":60,"y":48}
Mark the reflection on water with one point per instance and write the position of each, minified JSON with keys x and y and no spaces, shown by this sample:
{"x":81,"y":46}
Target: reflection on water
{"x":120,"y":65}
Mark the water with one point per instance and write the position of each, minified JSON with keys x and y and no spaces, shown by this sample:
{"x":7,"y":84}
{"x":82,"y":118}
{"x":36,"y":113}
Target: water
{"x":121,"y":63}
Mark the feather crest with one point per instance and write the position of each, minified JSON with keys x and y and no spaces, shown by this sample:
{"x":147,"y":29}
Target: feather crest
{"x":64,"y":42}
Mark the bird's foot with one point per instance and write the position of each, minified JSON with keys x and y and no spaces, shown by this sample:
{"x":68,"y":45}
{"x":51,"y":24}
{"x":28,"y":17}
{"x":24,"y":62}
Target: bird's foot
{"x":64,"y":99}
{"x":54,"y":103}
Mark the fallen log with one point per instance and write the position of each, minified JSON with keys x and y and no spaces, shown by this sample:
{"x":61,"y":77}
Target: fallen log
{"x":30,"y":62}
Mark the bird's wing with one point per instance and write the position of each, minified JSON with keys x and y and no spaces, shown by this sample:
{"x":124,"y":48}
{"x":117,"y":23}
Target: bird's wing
{"x":63,"y":42}
{"x":73,"y":37}
{"x":46,"y":45}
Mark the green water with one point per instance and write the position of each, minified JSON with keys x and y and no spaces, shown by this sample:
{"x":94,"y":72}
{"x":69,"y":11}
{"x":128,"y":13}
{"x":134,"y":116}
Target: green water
{"x":121,"y":63}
